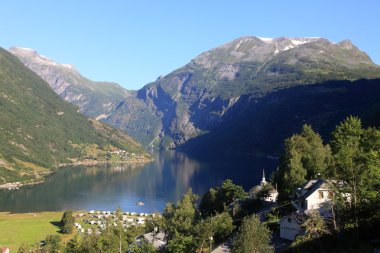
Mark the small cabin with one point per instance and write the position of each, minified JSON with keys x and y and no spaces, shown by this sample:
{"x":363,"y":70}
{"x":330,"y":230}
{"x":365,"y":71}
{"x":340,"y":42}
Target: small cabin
{"x":289,"y":227}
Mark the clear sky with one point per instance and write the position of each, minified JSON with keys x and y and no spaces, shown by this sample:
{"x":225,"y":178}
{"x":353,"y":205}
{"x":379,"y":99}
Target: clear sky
{"x":134,"y":42}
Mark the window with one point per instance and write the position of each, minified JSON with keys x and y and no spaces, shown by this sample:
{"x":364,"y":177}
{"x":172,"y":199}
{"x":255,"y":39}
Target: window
{"x":331,"y":194}
{"x":290,"y":220}
{"x":320,"y":194}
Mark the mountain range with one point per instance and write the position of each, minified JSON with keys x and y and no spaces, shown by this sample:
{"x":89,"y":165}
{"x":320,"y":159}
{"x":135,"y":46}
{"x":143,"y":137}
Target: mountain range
{"x":40,"y":131}
{"x":245,"y":96}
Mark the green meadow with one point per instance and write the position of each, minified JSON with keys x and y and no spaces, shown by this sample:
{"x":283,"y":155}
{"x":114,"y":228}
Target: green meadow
{"x":30,"y":228}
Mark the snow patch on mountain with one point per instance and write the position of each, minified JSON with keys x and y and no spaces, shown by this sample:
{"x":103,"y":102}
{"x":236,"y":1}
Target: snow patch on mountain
{"x":102,"y":116}
{"x":287,"y":48}
{"x":238,"y":44}
{"x":298,"y":42}
{"x":69,"y":66}
{"x":266,"y":40}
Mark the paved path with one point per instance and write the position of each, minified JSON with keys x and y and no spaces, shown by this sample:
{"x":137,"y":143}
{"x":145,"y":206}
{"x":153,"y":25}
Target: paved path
{"x":223,"y":248}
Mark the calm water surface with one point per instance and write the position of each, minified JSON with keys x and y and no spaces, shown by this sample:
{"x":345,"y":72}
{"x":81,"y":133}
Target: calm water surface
{"x":108,"y":187}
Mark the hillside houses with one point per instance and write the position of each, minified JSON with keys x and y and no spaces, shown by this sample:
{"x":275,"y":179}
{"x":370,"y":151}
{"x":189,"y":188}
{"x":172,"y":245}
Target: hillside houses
{"x":125,"y":155}
{"x":314,"y":195}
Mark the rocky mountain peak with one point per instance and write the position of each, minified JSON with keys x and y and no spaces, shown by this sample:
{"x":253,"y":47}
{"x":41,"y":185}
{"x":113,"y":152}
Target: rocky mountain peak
{"x":346,"y":44}
{"x":252,"y":48}
{"x":260,"y":51}
{"x":31,"y":56}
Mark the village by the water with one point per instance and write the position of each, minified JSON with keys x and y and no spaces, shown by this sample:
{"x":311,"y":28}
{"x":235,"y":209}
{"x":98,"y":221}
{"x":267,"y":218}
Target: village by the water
{"x":315,"y":195}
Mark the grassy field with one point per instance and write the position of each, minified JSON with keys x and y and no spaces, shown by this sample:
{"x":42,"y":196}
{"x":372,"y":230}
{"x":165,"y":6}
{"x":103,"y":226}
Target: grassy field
{"x":16,"y":228}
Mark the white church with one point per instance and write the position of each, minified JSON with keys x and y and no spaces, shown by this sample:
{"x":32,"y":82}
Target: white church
{"x":272,"y":196}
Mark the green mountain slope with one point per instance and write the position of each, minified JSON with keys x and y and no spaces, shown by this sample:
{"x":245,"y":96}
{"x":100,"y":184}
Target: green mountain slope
{"x":39,"y":130}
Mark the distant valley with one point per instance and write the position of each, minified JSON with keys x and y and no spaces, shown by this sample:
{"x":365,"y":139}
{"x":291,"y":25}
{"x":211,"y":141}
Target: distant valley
{"x":245,"y":96}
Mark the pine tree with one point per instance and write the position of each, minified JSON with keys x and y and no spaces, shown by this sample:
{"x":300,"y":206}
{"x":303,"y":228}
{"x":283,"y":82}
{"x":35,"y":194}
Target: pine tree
{"x":67,"y":222}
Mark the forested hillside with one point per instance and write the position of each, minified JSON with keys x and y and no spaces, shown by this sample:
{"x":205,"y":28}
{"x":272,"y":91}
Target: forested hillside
{"x":39,"y":130}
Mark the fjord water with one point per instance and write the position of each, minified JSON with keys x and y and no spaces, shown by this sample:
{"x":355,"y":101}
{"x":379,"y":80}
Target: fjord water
{"x":107,"y":187}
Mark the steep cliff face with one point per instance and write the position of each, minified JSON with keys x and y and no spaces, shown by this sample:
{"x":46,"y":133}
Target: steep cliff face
{"x":260,"y":125}
{"x":219,"y":86}
{"x":227,"y":80}
{"x":95,"y":99}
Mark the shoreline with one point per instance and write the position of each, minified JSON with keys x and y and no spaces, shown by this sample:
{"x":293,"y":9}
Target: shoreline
{"x":18,"y":185}
{"x":95,"y":162}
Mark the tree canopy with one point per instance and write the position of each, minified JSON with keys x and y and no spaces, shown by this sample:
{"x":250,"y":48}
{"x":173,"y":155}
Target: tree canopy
{"x":67,"y":222}
{"x":356,"y":165}
{"x":217,"y":200}
{"x":305,"y":156}
{"x":187,"y":231}
{"x":352,"y":169}
{"x":252,"y":237}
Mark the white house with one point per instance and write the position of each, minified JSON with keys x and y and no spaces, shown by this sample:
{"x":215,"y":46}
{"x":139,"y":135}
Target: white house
{"x":315,"y":194}
{"x":272,"y":197}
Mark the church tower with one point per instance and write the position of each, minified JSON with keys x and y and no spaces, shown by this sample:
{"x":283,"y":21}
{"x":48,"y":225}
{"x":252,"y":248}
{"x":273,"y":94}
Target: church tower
{"x":263,"y":181}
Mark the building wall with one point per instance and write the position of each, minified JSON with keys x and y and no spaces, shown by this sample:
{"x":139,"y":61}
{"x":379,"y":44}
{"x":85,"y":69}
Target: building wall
{"x":289,"y":228}
{"x":318,"y":199}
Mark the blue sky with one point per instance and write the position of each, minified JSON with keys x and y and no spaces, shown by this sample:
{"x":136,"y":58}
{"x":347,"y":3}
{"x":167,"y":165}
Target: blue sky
{"x":133,"y":42}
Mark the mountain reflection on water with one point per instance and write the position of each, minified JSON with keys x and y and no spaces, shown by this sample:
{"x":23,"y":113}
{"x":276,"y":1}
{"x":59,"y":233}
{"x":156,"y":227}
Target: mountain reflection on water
{"x":107,"y":187}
